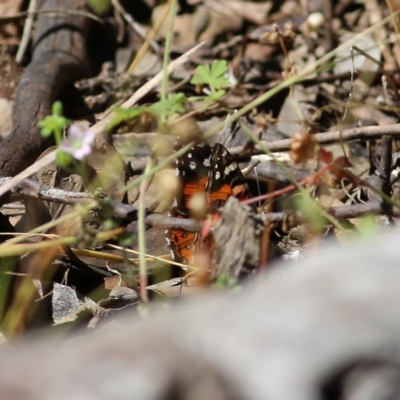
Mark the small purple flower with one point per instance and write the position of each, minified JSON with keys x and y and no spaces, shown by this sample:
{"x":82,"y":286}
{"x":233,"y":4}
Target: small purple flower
{"x":78,"y":142}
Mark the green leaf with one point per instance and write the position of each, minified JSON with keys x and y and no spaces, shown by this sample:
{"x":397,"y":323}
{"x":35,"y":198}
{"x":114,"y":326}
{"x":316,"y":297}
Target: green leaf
{"x":214,"y":75}
{"x":100,"y":7}
{"x":108,"y":225}
{"x":213,"y":97}
{"x":57,"y":108}
{"x":307,"y":206}
{"x":171,"y":106}
{"x":127,"y":239}
{"x":51,"y":124}
{"x":225,"y":282}
{"x":125,"y":114}
{"x":367,"y":225}
{"x":45,"y":132}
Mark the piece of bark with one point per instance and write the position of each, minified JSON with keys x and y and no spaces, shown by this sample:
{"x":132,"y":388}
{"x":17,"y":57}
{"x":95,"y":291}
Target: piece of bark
{"x":59,"y":58}
{"x":237,"y":237}
{"x":381,"y":180}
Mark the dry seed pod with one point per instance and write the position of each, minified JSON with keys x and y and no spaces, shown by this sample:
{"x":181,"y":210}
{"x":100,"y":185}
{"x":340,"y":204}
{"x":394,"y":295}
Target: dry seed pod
{"x":302,"y":147}
{"x":288,"y":32}
{"x":197,"y":206}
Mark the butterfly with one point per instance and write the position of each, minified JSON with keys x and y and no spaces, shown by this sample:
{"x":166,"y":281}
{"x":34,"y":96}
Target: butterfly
{"x":213,"y":173}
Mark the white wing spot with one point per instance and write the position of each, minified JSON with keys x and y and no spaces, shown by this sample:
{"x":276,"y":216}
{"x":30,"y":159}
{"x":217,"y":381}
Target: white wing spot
{"x":207,"y":163}
{"x":189,"y":155}
{"x":192,"y":165}
{"x":230,"y":168}
{"x":217,"y":175}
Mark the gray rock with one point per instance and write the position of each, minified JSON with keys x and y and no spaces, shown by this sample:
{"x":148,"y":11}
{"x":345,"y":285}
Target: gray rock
{"x":302,"y":333}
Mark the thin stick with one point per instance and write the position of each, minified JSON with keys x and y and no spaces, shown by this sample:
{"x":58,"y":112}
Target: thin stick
{"x":12,"y":250}
{"x":31,"y":188}
{"x":168,"y":41}
{"x":27,"y":32}
{"x":142,"y":236}
{"x":368,"y":132}
{"x":135,"y":26}
{"x":152,"y":33}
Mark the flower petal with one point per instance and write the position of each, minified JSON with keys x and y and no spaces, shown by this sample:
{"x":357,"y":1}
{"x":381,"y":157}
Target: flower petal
{"x":82,"y":152}
{"x":74,"y":132}
{"x":88,"y":137}
{"x":66,"y":147}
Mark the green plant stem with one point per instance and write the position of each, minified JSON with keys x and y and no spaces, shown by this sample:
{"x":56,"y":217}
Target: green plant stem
{"x":58,"y":136}
{"x":19,"y":249}
{"x":168,"y":41}
{"x":150,"y":171}
{"x":142,"y":236}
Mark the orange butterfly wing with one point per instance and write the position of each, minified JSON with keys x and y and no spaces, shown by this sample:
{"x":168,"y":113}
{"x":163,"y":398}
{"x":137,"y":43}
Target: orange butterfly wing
{"x":214,"y":173}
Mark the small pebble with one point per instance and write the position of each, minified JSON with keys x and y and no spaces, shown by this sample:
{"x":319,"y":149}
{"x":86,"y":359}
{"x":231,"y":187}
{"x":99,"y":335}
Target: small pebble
{"x":315,"y":21}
